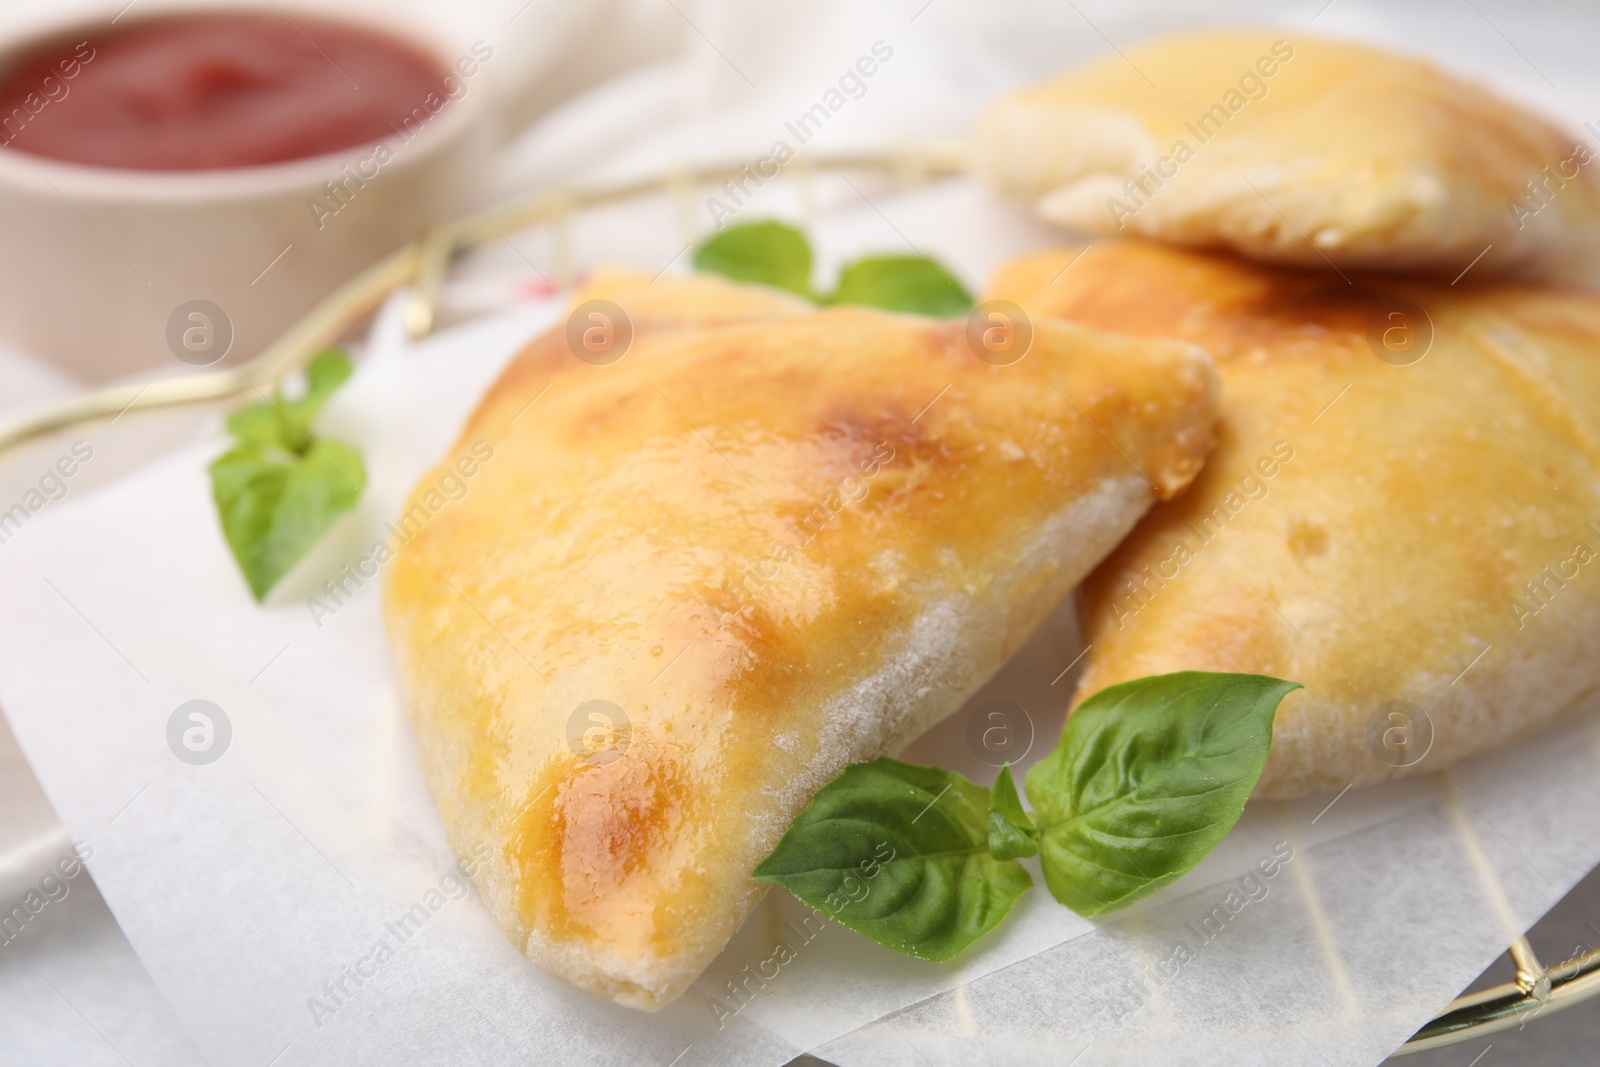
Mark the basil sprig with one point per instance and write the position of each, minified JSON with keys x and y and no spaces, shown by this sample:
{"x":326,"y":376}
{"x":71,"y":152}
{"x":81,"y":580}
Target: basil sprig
{"x":280,"y":486}
{"x":772,"y":253}
{"x":1146,"y":778}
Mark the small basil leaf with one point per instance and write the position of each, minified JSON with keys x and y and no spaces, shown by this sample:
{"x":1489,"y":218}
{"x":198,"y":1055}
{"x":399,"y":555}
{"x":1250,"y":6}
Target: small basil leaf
{"x":284,"y":423}
{"x":1147,"y":777}
{"x":902,"y":283}
{"x":266,"y":425}
{"x":766,"y":252}
{"x":327,"y":371}
{"x":1012,"y":834}
{"x":279,"y":488}
{"x":247,"y":484}
{"x":899,"y":853}
{"x":273,"y":509}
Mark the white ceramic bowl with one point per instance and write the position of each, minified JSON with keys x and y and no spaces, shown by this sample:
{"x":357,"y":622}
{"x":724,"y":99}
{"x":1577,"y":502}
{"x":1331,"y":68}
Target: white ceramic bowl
{"x":96,"y":262}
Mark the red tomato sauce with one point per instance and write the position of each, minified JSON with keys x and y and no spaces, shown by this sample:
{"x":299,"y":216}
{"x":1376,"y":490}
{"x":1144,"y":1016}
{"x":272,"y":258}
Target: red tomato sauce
{"x":211,"y":91}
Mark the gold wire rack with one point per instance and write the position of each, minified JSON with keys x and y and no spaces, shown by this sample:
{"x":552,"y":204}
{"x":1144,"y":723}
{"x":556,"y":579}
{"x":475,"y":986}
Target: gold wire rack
{"x":423,"y":265}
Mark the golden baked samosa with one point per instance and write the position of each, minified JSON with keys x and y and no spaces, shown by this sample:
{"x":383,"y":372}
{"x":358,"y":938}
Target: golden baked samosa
{"x":693,"y":583}
{"x":1402,"y":512}
{"x":1301,"y":150}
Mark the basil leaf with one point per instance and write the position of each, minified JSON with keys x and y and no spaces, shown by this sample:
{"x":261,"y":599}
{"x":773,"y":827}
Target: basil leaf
{"x":902,"y":283}
{"x":284,"y":423}
{"x":766,"y":252}
{"x":279,"y":488}
{"x":1012,"y":835}
{"x":264,"y":425}
{"x":326,"y":372}
{"x":1147,"y":777}
{"x":899,"y":853}
{"x":273,"y":509}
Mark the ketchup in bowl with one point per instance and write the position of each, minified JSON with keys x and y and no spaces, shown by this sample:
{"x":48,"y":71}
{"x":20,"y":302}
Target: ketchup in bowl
{"x":213,"y":91}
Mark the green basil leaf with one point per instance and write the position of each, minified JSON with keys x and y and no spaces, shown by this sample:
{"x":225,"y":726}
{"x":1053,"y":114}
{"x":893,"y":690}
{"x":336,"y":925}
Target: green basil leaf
{"x":286,"y":424}
{"x":902,"y":283}
{"x":1147,"y":777}
{"x":1012,"y":835}
{"x":247,"y":484}
{"x":266,"y":425}
{"x":279,"y":488}
{"x":899,"y":853}
{"x":327,"y":370}
{"x":766,"y":252}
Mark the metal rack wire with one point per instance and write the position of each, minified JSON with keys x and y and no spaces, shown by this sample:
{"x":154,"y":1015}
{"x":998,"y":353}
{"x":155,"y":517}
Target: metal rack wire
{"x":423,"y":266}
